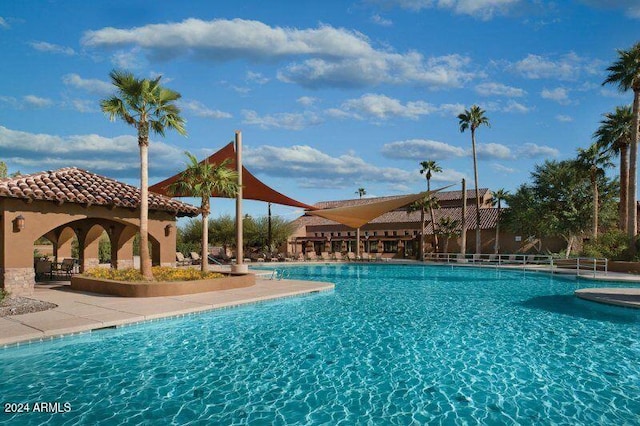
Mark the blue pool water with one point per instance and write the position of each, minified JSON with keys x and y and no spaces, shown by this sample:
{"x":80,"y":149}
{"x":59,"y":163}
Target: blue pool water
{"x":391,"y":345}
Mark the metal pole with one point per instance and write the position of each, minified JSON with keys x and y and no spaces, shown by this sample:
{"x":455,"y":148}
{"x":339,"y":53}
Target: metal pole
{"x":269,"y":228}
{"x":239,"y":267}
{"x":357,"y":243}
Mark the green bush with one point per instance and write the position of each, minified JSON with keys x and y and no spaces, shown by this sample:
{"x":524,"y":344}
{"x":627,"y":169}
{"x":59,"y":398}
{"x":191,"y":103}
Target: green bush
{"x":3,"y":294}
{"x":613,"y":244}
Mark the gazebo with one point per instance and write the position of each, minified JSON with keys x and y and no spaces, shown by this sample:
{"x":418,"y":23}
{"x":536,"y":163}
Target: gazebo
{"x":60,"y":204}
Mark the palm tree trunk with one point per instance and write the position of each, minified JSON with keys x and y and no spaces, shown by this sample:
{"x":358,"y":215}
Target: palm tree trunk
{"x":463,"y":236}
{"x":433,"y":221}
{"x":475,"y":173}
{"x":595,"y":207}
{"x":204,"y":261}
{"x":496,"y":246}
{"x":145,"y":258}
{"x":422,"y":235}
{"x":624,"y":185}
{"x":632,"y":212}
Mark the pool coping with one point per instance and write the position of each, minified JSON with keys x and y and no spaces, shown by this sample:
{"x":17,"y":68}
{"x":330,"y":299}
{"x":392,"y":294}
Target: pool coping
{"x":82,"y":312}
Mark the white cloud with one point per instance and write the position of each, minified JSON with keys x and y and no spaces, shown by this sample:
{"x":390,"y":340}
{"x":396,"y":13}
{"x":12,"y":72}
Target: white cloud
{"x":482,"y":9}
{"x":116,"y":157}
{"x":43,"y":46}
{"x":513,"y":106}
{"x":307,"y":100}
{"x":498,"y":89}
{"x":566,"y":67}
{"x":532,"y":150}
{"x":127,"y":59}
{"x":3,"y":24}
{"x":83,"y":105}
{"x":91,"y":85}
{"x":559,"y":95}
{"x":36,"y":101}
{"x":631,"y":7}
{"x":493,"y":150}
{"x":379,"y":20}
{"x":383,"y":107}
{"x":201,"y":110}
{"x":502,"y":169}
{"x":421,"y":148}
{"x":564,"y":118}
{"x":256,"y":77}
{"x":330,"y":56}
{"x":284,"y":120}
{"x":608,"y":93}
{"x":316,"y":169}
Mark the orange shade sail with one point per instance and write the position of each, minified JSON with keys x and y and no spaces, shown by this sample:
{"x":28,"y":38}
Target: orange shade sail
{"x":252,"y":188}
{"x":356,"y":216}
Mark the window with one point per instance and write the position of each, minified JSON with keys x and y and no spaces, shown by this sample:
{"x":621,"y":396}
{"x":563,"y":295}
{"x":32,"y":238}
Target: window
{"x":395,"y":233}
{"x":386,"y":233}
{"x":390,"y":246}
{"x":375,"y":233}
{"x":316,"y":234}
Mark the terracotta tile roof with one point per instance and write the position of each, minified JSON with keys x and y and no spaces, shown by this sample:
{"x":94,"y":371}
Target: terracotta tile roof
{"x":73,"y":185}
{"x":488,"y":218}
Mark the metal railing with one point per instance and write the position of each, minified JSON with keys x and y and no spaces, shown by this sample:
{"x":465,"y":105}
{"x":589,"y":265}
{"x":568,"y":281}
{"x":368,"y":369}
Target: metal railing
{"x":280,"y":274}
{"x":579,"y":266}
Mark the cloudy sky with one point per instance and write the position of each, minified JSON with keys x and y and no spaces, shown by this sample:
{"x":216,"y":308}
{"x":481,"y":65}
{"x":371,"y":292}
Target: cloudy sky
{"x":330,"y":95}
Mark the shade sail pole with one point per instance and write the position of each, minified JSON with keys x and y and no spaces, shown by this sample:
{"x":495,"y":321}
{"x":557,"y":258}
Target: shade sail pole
{"x":239,"y":267}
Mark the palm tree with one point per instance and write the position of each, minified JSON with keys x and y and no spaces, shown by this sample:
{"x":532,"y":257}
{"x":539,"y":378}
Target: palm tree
{"x":428,"y":168}
{"x":201,"y":180}
{"x":448,"y":228}
{"x":614,"y":135}
{"x":145,"y":105}
{"x":361,"y":192}
{"x":625,"y":73}
{"x":422,"y":205}
{"x":472,"y":119}
{"x":498,"y":197}
{"x":592,"y":162}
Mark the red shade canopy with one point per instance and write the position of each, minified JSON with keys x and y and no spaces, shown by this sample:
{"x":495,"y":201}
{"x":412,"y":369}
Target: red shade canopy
{"x":252,"y":188}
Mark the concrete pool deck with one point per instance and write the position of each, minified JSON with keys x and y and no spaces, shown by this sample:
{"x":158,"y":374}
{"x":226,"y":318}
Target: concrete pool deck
{"x":79,"y":312}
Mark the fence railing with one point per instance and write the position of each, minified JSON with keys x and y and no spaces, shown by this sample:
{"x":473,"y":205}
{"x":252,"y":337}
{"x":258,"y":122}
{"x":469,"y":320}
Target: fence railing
{"x":578,"y":266}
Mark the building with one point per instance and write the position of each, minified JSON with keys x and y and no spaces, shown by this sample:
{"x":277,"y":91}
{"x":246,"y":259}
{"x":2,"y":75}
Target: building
{"x":396,"y":234}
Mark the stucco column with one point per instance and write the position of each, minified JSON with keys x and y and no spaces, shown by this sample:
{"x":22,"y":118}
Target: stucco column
{"x":239,"y":267}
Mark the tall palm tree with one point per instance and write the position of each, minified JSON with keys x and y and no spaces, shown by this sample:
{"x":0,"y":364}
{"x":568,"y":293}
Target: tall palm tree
{"x":472,"y":119}
{"x":614,"y":135}
{"x":428,"y":168}
{"x":361,"y":192}
{"x":422,"y":205}
{"x":201,"y":180}
{"x":625,"y":73}
{"x":145,"y":105}
{"x":592,"y":162}
{"x":498,"y":197}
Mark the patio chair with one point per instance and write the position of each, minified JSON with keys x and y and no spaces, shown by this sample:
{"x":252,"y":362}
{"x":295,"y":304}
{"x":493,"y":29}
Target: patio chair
{"x":325,"y":256}
{"x":351,"y":256}
{"x":65,"y":267}
{"x":44,"y":268}
{"x":312,"y":255}
{"x":195,"y":258}
{"x":337,"y":256}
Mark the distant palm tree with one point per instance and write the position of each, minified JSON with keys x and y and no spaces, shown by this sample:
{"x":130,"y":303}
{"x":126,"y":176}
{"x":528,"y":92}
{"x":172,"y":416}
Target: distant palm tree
{"x":448,"y":228}
{"x":625,"y":73}
{"x":361,"y":192}
{"x":200,"y":180}
{"x":422,"y":205}
{"x":145,"y":105}
{"x":614,"y":135}
{"x":472,"y":119}
{"x":428,"y":168}
{"x":498,"y":197}
{"x":592,"y":162}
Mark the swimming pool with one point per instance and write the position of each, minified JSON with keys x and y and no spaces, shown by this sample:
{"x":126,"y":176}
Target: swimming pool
{"x":391,"y":345}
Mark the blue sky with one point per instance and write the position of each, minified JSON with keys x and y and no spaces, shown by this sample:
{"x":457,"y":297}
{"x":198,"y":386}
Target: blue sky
{"x":330,"y":96}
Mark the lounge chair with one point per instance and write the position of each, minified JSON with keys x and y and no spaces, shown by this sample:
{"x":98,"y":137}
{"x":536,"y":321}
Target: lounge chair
{"x":325,"y":256}
{"x":337,"y":256}
{"x":365,"y":257}
{"x":181,"y":260}
{"x":351,"y":256}
{"x":378,"y":257}
{"x":195,"y":258}
{"x":312,"y":256}
{"x":300,"y":257}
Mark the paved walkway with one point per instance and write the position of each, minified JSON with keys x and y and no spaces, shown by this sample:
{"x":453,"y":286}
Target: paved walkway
{"x":628,"y":297}
{"x":80,"y":312}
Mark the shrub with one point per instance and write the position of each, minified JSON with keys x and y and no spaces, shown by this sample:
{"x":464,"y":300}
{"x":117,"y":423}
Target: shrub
{"x":3,"y":294}
{"x":160,"y":273}
{"x":613,"y":244}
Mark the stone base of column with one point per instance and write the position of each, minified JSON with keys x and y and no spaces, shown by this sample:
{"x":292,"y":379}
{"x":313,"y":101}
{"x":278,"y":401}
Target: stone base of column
{"x":240,"y":269}
{"x":124,"y":264}
{"x":18,"y":281}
